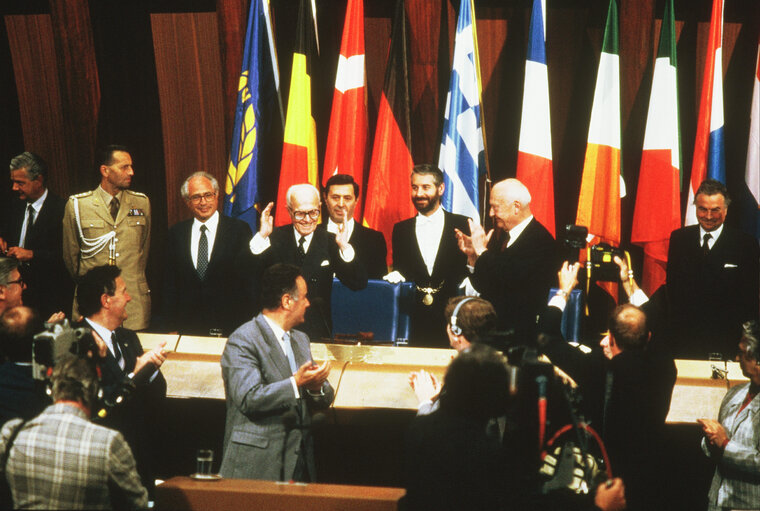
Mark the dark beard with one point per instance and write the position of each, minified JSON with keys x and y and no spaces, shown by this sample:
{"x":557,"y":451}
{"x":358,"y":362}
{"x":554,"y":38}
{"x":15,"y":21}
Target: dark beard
{"x":431,"y":205}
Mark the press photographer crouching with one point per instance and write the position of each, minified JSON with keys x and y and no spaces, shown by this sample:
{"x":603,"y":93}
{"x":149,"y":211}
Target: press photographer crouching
{"x":60,"y":460}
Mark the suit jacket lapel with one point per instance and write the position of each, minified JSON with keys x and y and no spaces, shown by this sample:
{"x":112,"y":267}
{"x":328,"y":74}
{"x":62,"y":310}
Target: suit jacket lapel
{"x":273,"y":349}
{"x":443,"y":245}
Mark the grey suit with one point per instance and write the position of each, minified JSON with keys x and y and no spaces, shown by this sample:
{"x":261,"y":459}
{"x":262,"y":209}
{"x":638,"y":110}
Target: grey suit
{"x":736,"y":484}
{"x":259,"y":392}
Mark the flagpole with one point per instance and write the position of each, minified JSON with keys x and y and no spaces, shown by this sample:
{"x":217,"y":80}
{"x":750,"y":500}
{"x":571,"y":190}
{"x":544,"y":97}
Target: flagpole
{"x":273,"y":54}
{"x":487,"y":183}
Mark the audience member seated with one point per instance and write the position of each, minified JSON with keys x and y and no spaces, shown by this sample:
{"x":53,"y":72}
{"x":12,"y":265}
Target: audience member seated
{"x":452,"y":462}
{"x":626,"y":389}
{"x":733,"y":441}
{"x":20,"y":395}
{"x":60,"y":460}
{"x":468,"y":319}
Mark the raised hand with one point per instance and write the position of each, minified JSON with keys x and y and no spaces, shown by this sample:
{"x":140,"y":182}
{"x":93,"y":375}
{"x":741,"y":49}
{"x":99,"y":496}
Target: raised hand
{"x":266,"y":224}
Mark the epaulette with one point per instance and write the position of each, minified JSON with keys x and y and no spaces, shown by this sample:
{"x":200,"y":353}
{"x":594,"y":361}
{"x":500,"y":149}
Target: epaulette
{"x":83,"y":194}
{"x":137,"y":194}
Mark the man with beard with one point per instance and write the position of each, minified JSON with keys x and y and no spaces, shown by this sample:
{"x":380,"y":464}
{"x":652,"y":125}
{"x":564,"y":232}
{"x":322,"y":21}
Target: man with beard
{"x":425,"y":252}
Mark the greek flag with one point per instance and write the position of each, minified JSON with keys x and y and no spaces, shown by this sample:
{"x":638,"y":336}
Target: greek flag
{"x":462,"y":157}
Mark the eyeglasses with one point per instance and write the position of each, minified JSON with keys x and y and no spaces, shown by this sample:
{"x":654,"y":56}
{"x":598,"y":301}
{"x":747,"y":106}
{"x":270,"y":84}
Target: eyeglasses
{"x":195,"y":199}
{"x":18,"y":281}
{"x":301,"y":215}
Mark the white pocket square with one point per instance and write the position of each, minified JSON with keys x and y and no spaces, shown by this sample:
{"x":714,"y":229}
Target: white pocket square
{"x":730,"y":265}
{"x":325,"y":263}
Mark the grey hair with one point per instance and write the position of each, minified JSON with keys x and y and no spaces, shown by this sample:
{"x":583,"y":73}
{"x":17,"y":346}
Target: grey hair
{"x":33,"y":164}
{"x":185,"y":188}
{"x":751,"y":335}
{"x":299,"y":188}
{"x":7,"y":265}
{"x":516,"y":191}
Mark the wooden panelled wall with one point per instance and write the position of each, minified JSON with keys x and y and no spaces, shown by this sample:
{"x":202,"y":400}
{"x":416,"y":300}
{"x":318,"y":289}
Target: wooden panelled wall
{"x":161,"y":77}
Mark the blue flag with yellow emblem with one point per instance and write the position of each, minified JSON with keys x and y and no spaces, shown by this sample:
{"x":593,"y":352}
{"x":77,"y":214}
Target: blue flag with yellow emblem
{"x":256,"y":95}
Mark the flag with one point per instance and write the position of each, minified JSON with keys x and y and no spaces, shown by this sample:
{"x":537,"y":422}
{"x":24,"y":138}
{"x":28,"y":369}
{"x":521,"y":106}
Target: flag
{"x":253,"y":114}
{"x":388,"y":189}
{"x":534,"y":157}
{"x":709,"y":157}
{"x":602,"y":184}
{"x":752,"y":172}
{"x":462,"y":157}
{"x":347,"y":137}
{"x":658,"y":201}
{"x":299,"y":149}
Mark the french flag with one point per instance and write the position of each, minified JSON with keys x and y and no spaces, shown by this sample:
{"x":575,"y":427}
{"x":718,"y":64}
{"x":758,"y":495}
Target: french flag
{"x":534,"y":159}
{"x":709,"y":154}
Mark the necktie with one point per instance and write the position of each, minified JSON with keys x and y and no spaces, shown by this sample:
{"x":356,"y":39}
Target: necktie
{"x":506,"y":241}
{"x":705,"y":245}
{"x":117,"y":350}
{"x":289,"y":352}
{"x":202,"y":253}
{"x":114,"y":207}
{"x":301,"y":251}
{"x":29,"y":222}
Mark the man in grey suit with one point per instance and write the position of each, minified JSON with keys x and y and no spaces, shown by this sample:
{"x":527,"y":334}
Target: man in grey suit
{"x":271,"y":384}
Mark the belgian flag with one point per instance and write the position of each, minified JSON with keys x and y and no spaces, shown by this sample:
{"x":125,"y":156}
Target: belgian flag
{"x":299,"y":149}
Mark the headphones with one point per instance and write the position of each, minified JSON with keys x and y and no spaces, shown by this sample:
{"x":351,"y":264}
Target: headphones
{"x":455,"y":329}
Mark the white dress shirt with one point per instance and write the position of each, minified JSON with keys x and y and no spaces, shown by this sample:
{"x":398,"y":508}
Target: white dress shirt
{"x":106,"y":334}
{"x":517,"y":230}
{"x":195,"y":235}
{"x":715,"y":235}
{"x":259,"y":244}
{"x":279,"y":333}
{"x":429,"y":230}
{"x":36,"y":206}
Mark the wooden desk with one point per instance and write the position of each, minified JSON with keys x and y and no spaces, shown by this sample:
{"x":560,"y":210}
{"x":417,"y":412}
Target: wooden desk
{"x":186,"y":493}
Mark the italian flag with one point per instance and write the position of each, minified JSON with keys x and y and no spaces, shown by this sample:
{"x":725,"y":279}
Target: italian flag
{"x":602,"y":184}
{"x":658,"y":201}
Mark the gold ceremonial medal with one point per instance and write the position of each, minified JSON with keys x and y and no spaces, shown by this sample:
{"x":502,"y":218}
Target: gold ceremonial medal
{"x":427,"y":299}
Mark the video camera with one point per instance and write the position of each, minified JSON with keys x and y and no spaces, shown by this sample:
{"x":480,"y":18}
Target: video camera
{"x":57,"y":342}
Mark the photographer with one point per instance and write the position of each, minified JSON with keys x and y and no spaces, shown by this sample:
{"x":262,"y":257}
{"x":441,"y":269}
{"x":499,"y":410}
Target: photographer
{"x":622,"y":388}
{"x":60,"y":460}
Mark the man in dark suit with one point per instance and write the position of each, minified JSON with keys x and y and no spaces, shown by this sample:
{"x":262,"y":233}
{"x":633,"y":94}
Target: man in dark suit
{"x":207,"y":282}
{"x":425,"y":252}
{"x":515,"y":264}
{"x":271,"y":383}
{"x":33,"y":233}
{"x":318,"y":253}
{"x":626,"y":388}
{"x":102,"y":299}
{"x":340,"y":194}
{"x":712,"y":279}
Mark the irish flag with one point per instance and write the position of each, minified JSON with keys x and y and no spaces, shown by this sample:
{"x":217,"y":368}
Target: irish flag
{"x":602,"y":185}
{"x":658,"y":201}
{"x":299,"y":149}
{"x":534,"y":159}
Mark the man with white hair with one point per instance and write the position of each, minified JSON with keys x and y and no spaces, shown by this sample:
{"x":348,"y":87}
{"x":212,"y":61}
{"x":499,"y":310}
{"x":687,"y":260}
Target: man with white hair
{"x":513,"y":264}
{"x":318,"y":253}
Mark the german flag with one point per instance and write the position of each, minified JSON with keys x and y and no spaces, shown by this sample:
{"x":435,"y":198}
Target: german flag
{"x":388,"y":188}
{"x":299,"y":149}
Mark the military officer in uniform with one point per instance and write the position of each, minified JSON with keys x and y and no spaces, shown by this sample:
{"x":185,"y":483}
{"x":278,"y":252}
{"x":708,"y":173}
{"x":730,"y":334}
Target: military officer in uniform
{"x":111,"y":225}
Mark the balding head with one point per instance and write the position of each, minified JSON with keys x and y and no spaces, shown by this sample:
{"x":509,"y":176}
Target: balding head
{"x":628,"y":327}
{"x":510,"y":203}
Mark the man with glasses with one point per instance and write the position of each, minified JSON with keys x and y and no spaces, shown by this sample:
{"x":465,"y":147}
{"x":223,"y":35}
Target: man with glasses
{"x":111,"y":225}
{"x":11,"y":284}
{"x":208,"y":287}
{"x":318,"y":253}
